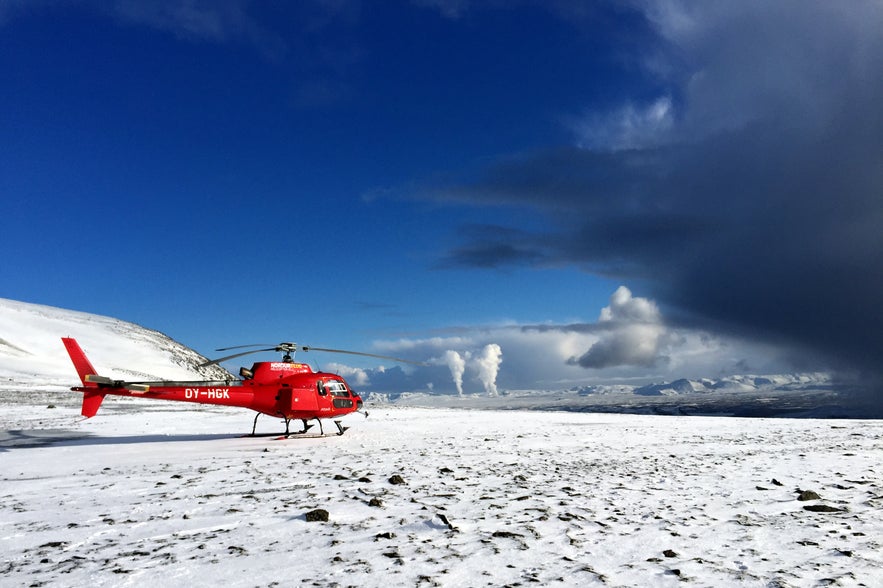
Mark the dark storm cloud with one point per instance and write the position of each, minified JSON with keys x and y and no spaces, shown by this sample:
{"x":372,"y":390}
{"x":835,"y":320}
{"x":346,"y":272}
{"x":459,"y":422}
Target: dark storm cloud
{"x":491,"y":246}
{"x":761,"y":210}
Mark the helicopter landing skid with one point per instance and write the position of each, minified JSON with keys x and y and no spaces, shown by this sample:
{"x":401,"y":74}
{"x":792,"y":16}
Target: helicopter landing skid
{"x":304,"y":435}
{"x":300,"y":434}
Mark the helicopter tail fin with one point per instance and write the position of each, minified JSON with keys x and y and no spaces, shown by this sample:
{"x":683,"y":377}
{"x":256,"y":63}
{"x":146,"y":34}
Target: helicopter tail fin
{"x":81,"y":362}
{"x":92,"y":397}
{"x":91,"y":402}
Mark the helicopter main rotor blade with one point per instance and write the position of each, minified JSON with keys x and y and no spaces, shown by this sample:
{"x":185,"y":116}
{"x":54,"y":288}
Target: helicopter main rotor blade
{"x":244,"y":346}
{"x":306,"y":348}
{"x":293,"y":348}
{"x":220,"y":359}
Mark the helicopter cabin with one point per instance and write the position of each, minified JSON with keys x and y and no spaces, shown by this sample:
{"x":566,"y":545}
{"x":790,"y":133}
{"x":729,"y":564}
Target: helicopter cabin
{"x":292,"y":395}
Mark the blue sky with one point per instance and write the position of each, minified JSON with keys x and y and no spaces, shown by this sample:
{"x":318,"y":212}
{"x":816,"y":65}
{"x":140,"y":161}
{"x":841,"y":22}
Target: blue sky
{"x":419,"y":177}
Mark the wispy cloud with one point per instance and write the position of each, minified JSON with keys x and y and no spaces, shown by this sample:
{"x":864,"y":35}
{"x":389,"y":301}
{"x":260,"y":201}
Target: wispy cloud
{"x":628,"y":127}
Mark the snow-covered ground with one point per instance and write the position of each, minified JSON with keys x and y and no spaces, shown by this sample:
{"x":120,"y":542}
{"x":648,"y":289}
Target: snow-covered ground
{"x":169,"y":494}
{"x":455,"y":493}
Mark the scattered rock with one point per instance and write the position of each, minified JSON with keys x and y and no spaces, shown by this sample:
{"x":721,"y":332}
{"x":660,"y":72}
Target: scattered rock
{"x":507,"y":535}
{"x":340,"y":477}
{"x":445,"y":520}
{"x":375,"y":502}
{"x":669,"y":553}
{"x":808,"y":495}
{"x":320,"y":515}
{"x":822,"y":508}
{"x":387,"y":535}
{"x":396,"y":480}
{"x":775,"y":482}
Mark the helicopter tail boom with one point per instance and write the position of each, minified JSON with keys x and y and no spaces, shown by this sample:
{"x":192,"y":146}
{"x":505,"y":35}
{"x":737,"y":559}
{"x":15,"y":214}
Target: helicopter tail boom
{"x":91,"y":396}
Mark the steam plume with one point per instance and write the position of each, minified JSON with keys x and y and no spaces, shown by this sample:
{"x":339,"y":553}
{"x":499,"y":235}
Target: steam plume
{"x":488,"y":364}
{"x":457,"y":365}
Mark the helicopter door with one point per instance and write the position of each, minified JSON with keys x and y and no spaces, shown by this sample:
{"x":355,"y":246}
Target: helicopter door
{"x":290,"y":400}
{"x":283,"y":400}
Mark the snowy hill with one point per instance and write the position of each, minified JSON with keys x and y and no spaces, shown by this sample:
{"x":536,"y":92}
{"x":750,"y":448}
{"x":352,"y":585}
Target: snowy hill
{"x":33,"y":357}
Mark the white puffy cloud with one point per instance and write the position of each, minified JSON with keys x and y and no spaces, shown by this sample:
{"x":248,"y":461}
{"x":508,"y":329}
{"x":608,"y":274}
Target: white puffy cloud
{"x":633,"y":337}
{"x":625,"y":308}
{"x":355,"y":376}
{"x":629,"y":343}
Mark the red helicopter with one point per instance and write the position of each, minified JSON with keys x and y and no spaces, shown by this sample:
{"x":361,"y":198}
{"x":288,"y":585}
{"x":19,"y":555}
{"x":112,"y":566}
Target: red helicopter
{"x":281,"y":389}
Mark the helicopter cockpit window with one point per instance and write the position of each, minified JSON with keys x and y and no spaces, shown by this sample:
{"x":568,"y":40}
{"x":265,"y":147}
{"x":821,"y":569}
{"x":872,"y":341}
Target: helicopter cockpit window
{"x":337,"y":388}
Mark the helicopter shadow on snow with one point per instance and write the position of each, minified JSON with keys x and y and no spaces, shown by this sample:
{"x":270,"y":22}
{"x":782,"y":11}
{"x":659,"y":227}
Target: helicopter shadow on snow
{"x":28,"y":439}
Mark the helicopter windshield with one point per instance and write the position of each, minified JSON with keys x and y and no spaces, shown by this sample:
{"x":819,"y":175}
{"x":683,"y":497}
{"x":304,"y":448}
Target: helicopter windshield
{"x":336,"y":388}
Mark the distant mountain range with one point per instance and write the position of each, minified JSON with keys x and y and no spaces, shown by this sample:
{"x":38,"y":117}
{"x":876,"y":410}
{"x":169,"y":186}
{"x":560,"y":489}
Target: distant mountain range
{"x":736,"y":383}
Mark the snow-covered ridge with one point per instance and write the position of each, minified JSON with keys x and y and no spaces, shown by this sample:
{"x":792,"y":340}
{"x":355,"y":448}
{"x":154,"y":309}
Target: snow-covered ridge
{"x":734,"y":383}
{"x":796,"y":395}
{"x":32,"y":355}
